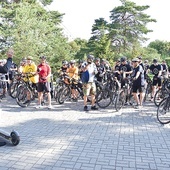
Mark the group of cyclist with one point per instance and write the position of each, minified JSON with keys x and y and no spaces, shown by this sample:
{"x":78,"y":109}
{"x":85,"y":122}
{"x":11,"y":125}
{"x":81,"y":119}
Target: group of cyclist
{"x":88,"y":71}
{"x":38,"y":75}
{"x":136,"y":70}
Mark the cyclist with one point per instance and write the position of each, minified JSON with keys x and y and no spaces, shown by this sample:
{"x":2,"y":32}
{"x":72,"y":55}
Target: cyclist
{"x":101,"y":70}
{"x":5,"y":68}
{"x":156,"y":70}
{"x":44,"y":72}
{"x":138,"y":81}
{"x":72,"y":71}
{"x":116,"y":70}
{"x":164,"y":69}
{"x":31,"y":68}
{"x":89,"y":86}
{"x":64,"y":67}
{"x":125,"y":71}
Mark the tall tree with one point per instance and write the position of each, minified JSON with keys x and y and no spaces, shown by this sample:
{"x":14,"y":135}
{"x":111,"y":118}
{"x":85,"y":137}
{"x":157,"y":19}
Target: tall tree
{"x":128,"y":25}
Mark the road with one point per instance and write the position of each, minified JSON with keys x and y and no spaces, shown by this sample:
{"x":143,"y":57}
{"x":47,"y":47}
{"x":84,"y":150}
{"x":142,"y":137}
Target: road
{"x":67,"y":138}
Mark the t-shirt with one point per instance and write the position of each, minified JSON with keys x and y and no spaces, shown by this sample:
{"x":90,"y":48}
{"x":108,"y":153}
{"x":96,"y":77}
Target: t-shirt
{"x":140,"y":80}
{"x":73,"y":71}
{"x":125,"y":68}
{"x":31,"y":68}
{"x":43,"y":70}
{"x":155,"y":69}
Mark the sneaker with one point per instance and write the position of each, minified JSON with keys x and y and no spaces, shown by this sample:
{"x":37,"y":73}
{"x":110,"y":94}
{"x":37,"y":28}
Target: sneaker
{"x":136,"y":106}
{"x":26,"y":102}
{"x":86,"y":108}
{"x":151,"y":99}
{"x":38,"y":107}
{"x":94,"y":108}
{"x":126,"y":104}
{"x":50,"y":107}
{"x":75,"y":100}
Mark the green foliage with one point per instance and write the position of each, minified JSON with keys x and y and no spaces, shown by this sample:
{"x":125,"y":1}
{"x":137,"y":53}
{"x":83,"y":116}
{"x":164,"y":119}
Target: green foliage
{"x":128,"y":25}
{"x":31,"y":30}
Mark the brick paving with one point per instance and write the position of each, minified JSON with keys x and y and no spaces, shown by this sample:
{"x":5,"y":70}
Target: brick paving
{"x":67,"y":138}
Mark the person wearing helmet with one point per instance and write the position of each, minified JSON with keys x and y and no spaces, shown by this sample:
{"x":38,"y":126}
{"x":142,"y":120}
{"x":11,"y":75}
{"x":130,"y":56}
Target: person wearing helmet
{"x":164,"y":69}
{"x":116,"y":70}
{"x":64,"y":67}
{"x":138,"y":82}
{"x":89,"y":86}
{"x":156,"y":70}
{"x":72,"y":71}
{"x":125,"y":70}
{"x":101,"y":70}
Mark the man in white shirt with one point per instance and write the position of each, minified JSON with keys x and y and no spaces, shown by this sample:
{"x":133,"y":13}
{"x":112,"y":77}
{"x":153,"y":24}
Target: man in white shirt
{"x":89,"y":86}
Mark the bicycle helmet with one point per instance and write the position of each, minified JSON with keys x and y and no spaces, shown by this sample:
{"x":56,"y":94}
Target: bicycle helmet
{"x":64,"y":62}
{"x":97,"y":59}
{"x":90,"y":57}
{"x":123,"y":59}
{"x":155,"y":60}
{"x":72,"y":61}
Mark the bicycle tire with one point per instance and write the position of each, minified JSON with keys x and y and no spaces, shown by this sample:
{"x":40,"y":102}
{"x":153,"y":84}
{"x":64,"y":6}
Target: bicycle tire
{"x":103,"y":98}
{"x":64,"y":95}
{"x":12,"y":90}
{"x":119,"y":101}
{"x":163,"y":111}
{"x":159,"y":95}
{"x":21,"y":97}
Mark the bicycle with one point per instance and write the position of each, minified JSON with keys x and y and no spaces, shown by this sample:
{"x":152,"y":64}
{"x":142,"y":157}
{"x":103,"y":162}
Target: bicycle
{"x":163,"y":110}
{"x":162,"y":92}
{"x":26,"y":90}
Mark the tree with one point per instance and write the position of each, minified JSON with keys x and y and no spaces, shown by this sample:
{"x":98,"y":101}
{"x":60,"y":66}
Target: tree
{"x":31,"y":30}
{"x":163,"y":47}
{"x":128,"y":25}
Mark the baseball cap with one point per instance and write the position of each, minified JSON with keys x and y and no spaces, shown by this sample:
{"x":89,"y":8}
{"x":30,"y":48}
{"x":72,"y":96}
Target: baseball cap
{"x":135,"y":60}
{"x":29,"y":58}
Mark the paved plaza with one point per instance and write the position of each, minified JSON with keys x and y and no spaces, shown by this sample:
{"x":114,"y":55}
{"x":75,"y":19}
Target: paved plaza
{"x":67,"y":138}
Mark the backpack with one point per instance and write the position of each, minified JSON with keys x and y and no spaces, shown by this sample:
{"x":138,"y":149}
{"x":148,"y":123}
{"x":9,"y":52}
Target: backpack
{"x":85,"y":76}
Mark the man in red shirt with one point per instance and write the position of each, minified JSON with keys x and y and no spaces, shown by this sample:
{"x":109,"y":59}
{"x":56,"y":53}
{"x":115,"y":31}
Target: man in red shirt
{"x":44,"y":72}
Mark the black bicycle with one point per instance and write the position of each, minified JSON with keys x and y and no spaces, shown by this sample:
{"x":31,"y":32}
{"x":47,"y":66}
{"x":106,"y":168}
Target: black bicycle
{"x":163,"y":110}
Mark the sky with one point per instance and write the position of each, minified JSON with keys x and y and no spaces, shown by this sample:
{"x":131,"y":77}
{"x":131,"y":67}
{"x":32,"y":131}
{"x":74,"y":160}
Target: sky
{"x":81,"y":14}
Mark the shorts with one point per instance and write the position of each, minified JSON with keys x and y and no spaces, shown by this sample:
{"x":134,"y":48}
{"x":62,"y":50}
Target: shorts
{"x":43,"y":87}
{"x":139,"y":89}
{"x":156,"y":81}
{"x":89,"y":89}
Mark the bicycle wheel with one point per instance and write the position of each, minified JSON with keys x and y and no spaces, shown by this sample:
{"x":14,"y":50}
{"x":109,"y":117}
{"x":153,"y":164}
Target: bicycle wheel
{"x":119,"y":102}
{"x":12,"y":90}
{"x":163,"y":111}
{"x":103,"y":98}
{"x":22,"y":96}
{"x":159,"y":95}
{"x":64,"y":95}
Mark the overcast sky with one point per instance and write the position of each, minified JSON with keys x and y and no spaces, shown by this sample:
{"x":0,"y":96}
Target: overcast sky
{"x":80,"y":15}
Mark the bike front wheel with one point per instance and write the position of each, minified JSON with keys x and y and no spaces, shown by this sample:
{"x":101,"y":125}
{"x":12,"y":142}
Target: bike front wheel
{"x":163,"y":111}
{"x":103,"y":98}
